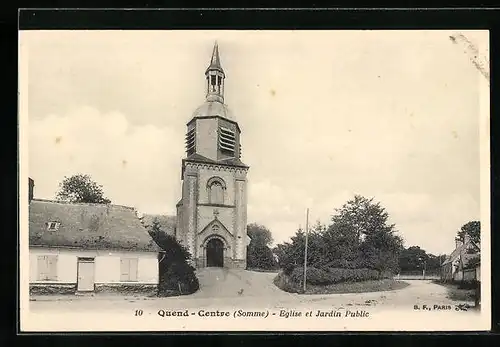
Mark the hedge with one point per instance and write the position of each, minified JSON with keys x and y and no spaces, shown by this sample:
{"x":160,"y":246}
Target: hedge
{"x":177,"y":279}
{"x":327,"y":276}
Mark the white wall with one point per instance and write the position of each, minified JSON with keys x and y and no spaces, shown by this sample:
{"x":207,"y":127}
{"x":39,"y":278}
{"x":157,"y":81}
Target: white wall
{"x":107,"y":265}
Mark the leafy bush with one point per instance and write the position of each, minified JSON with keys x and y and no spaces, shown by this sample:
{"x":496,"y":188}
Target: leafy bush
{"x":327,"y":276}
{"x":177,"y":276}
{"x":314,"y":275}
{"x":260,"y":257}
{"x":285,"y":283}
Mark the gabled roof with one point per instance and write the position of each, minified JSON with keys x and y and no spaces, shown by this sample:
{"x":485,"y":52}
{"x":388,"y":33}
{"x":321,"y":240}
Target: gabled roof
{"x":88,"y":226}
{"x":463,"y":251}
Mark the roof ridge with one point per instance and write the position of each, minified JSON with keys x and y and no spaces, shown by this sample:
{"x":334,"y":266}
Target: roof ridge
{"x":82,"y":203}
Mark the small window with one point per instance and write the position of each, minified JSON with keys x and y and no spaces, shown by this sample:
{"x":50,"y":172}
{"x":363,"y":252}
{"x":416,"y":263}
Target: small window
{"x":52,"y":226}
{"x":47,"y":267}
{"x":128,"y":269}
{"x":212,"y":80}
{"x":219,"y":80}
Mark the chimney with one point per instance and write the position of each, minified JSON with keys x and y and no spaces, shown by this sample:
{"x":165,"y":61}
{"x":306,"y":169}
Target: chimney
{"x":458,"y":242}
{"x":31,"y":188}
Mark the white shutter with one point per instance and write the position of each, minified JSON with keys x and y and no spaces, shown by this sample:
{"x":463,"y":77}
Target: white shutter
{"x":124,"y":269}
{"x":133,"y":269}
{"x":42,"y":267}
{"x":52,"y":267}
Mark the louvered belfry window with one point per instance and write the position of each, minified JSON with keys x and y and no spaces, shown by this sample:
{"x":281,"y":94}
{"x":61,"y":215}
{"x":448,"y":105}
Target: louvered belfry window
{"x":227,"y":140}
{"x":191,"y":142}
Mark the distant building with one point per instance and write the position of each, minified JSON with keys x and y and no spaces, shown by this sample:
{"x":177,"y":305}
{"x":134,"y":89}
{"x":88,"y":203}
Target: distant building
{"x":86,"y":248}
{"x":212,"y":212}
{"x":461,"y":266}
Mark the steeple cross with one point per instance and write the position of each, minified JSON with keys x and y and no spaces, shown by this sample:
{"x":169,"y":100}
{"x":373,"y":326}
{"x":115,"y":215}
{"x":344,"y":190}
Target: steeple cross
{"x":216,"y":213}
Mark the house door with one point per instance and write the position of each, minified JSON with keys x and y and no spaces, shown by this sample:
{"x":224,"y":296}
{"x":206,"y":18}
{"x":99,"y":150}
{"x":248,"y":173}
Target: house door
{"x":85,"y":275}
{"x":215,"y":253}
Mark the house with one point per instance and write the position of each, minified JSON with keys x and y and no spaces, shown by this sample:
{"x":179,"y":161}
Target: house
{"x":86,"y":248}
{"x":462,"y":264}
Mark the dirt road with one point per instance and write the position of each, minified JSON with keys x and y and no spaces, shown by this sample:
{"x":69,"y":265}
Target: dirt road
{"x":225,"y":288}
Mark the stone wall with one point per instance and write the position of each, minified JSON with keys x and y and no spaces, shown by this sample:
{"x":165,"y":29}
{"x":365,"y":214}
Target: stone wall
{"x":100,"y":288}
{"x":52,"y":288}
{"x":127,"y":289}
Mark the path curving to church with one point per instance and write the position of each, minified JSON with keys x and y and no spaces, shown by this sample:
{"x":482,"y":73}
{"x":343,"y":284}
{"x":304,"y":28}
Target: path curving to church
{"x":234,"y":283}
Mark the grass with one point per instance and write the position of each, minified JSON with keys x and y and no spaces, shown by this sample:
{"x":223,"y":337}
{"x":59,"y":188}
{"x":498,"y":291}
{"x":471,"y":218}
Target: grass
{"x":457,"y":292}
{"x":286,"y":284}
{"x":262,"y":270}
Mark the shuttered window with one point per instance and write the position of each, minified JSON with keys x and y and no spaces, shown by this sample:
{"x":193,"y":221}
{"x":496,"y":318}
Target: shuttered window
{"x":47,"y":267}
{"x":128,"y":269}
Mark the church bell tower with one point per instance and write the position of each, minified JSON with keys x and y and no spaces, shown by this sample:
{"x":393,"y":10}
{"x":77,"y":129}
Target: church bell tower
{"x":212,"y":213}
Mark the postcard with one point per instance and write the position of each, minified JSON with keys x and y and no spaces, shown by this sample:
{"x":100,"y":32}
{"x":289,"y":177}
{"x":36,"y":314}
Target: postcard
{"x":330,"y":180}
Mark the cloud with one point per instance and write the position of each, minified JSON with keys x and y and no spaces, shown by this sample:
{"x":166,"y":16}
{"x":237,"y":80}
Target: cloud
{"x":133,"y":163}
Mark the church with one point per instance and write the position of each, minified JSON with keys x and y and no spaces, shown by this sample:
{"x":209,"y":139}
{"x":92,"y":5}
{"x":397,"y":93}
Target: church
{"x":212,"y":213}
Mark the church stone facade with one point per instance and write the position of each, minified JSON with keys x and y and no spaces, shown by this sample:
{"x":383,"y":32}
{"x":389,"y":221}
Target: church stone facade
{"x":212,"y":213}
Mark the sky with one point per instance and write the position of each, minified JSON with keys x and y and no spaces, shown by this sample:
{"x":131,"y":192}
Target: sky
{"x":324,"y":115}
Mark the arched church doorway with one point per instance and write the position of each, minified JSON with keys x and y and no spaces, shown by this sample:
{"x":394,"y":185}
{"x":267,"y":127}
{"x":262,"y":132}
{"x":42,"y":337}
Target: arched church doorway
{"x":215,"y":253}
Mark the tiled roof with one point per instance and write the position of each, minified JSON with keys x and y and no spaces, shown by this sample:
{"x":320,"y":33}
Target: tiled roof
{"x":167,"y":223}
{"x":88,"y":226}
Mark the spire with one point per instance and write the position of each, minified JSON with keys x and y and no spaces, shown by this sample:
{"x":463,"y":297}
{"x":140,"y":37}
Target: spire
{"x":215,"y":61}
{"x":215,"y":77}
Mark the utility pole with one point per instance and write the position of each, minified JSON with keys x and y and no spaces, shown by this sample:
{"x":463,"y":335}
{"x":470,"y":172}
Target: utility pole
{"x":305,"y":251}
{"x":425,"y":267}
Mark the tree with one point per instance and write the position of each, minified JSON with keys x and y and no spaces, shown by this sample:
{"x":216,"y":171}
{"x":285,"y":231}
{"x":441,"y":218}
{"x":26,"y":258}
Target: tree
{"x":259,"y":234}
{"x":362,"y":216}
{"x":81,"y":188}
{"x":291,"y":254}
{"x":359,"y":236}
{"x":473,"y":229}
{"x":381,"y":251}
{"x":259,"y":255}
{"x":411,"y":258}
{"x":177,"y":276}
{"x":366,"y":236}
